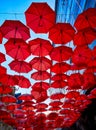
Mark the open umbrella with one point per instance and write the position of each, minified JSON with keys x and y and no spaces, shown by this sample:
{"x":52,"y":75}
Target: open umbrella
{"x":57,"y":96}
{"x":40,"y":17}
{"x":40,"y":47}
{"x":2,"y":57}
{"x":81,"y":55}
{"x":61,"y":53}
{"x":41,"y":63}
{"x":25,"y":97}
{"x":2,"y":70}
{"x":59,"y":84}
{"x":4,"y":89}
{"x":61,"y":33}
{"x":15,"y":29}
{"x":20,"y":66}
{"x":17,"y":48}
{"x":85,"y":36}
{"x":40,"y":75}
{"x":60,"y":68}
{"x":8,"y":99}
{"x":86,"y":19}
{"x":23,"y":82}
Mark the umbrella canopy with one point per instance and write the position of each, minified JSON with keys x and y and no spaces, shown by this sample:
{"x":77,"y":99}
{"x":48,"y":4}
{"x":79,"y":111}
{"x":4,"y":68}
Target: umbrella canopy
{"x":2,"y":70}
{"x":25,"y":97}
{"x":40,"y":85}
{"x":57,"y":77}
{"x":17,"y":49}
{"x":20,"y":66}
{"x":40,"y":47}
{"x":60,"y":68}
{"x":40,"y":75}
{"x":61,"y":53}
{"x":75,"y":81}
{"x":61,"y":33}
{"x":41,"y":63}
{"x":55,"y":103}
{"x":86,"y":19}
{"x":4,"y":89}
{"x":23,"y":82}
{"x":57,"y":96}
{"x":1,"y":37}
{"x":2,"y":57}
{"x":15,"y":29}
{"x":81,"y":55}
{"x":59,"y":84}
{"x":85,"y":36}
{"x":40,"y":17}
{"x":8,"y":99}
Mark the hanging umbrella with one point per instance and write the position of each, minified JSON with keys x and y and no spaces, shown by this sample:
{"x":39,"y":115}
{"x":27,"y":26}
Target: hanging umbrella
{"x":61,"y":53}
{"x":72,"y":95}
{"x":59,"y":84}
{"x":17,"y":49}
{"x":23,"y":82}
{"x":41,"y":63}
{"x":85,"y":37}
{"x":10,"y":80}
{"x":81,"y":55}
{"x":60,"y":68}
{"x":20,"y":66}
{"x":86,"y":19}
{"x":55,"y":103}
{"x":15,"y":29}
{"x":52,"y":116}
{"x":12,"y":106}
{"x":41,"y":105}
{"x":2,"y":57}
{"x":61,"y":33}
{"x":75,"y":81}
{"x":8,"y":99}
{"x":40,"y":75}
{"x":4,"y":89}
{"x":89,"y":81}
{"x":40,"y":17}
{"x":40,"y":47}
{"x":40,"y":85}
{"x":57,"y":96}
{"x":93,"y":92}
{"x":57,"y":77}
{"x":25,"y":97}
{"x":54,"y":108}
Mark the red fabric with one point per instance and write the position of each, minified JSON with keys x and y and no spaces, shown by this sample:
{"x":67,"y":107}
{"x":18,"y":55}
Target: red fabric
{"x":20,"y":66}
{"x":15,"y":29}
{"x":40,"y":17}
{"x":2,"y":57}
{"x":17,"y":49}
{"x":41,"y":63}
{"x":25,"y":97}
{"x":40,"y":75}
{"x":8,"y":99}
{"x":86,"y":19}
{"x":40,"y":47}
{"x":85,"y":37}
{"x":57,"y":77}
{"x":61,"y":33}
{"x":61,"y":53}
{"x":59,"y":84}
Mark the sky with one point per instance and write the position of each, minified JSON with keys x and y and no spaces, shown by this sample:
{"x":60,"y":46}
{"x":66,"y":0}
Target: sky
{"x":14,"y":10}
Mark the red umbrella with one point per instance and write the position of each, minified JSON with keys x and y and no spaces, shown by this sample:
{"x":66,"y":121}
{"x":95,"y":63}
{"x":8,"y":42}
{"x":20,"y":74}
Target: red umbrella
{"x":85,"y":36}
{"x":59,"y":84}
{"x":10,"y":80}
{"x":59,"y":77}
{"x":81,"y":55}
{"x":86,"y":19}
{"x":41,"y":105}
{"x":40,"y":85}
{"x":40,"y":47}
{"x":94,"y":53}
{"x":93,"y":92}
{"x":41,"y":63}
{"x":55,"y":103}
{"x":12,"y":106}
{"x":17,"y":49}
{"x":20,"y":66}
{"x":40,"y":17}
{"x":23,"y":82}
{"x":4,"y":89}
{"x":25,"y":97}
{"x":72,"y":95}
{"x":61,"y":33}
{"x":40,"y":75}
{"x":60,"y":68}
{"x":15,"y":29}
{"x":8,"y":99}
{"x":89,"y":81}
{"x":52,"y":116}
{"x":27,"y":103}
{"x":54,"y":108}
{"x":75,"y":81}
{"x":57,"y":96}
{"x":2,"y":57}
{"x":61,"y":53}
